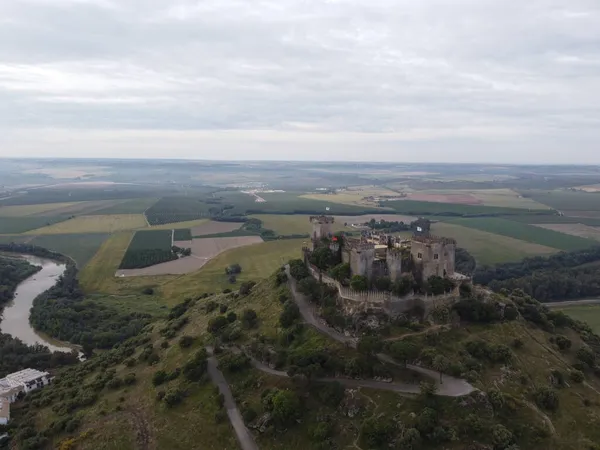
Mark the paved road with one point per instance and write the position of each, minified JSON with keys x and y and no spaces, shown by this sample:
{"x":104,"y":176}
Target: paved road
{"x":244,"y":436}
{"x":450,"y":386}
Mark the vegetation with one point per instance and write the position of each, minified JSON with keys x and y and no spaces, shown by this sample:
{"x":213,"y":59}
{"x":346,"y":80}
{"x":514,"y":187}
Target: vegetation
{"x":94,"y":224}
{"x":180,"y":209}
{"x":80,"y":247}
{"x":148,"y":248}
{"x":182,"y":234}
{"x":12,"y":272}
{"x":13,"y":225}
{"x":527,"y":233}
{"x":418,"y":208}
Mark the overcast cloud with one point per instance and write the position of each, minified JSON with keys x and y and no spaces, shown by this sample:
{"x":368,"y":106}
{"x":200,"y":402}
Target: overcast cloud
{"x":418,"y":80}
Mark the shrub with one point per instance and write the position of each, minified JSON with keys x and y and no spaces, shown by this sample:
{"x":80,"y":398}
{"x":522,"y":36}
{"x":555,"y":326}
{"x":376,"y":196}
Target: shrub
{"x":159,"y":377}
{"x":249,"y":319}
{"x":148,"y":291}
{"x":546,"y":398}
{"x":249,"y":415}
{"x":577,"y":376}
{"x":563,"y":342}
{"x":517,"y":343}
{"x":289,"y":314}
{"x":129,"y":379}
{"x":359,"y":283}
{"x":587,"y":356}
{"x":173,"y":397}
{"x":231,"y":317}
{"x":186,"y":341}
{"x":216,"y":324}
{"x":223,"y":309}
{"x":246,"y":287}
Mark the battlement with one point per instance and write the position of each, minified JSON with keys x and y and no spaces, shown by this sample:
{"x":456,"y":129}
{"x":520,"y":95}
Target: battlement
{"x":434,"y":240}
{"x":394,"y":253}
{"x":322,"y":219}
{"x":363,"y":247}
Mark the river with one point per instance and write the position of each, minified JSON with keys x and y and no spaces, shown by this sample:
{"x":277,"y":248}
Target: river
{"x":15,"y":317}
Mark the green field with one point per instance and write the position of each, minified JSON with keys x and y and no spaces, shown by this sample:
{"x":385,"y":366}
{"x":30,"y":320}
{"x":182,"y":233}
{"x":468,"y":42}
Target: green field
{"x":291,"y":224}
{"x":525,"y":232}
{"x":94,"y":224}
{"x":7,"y":238}
{"x":488,"y":248}
{"x":182,"y":234}
{"x":29,"y":210}
{"x":419,"y":208}
{"x":15,"y":225}
{"x":555,"y":219}
{"x":133,"y":206}
{"x":80,"y":247}
{"x":586,"y":313}
{"x":151,"y":240}
{"x":566,"y":200}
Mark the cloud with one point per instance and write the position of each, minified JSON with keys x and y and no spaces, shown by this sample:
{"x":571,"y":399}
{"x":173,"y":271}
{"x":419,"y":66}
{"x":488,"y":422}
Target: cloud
{"x":500,"y":80}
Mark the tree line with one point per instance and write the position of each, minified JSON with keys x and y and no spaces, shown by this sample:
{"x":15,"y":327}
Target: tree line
{"x":12,"y":272}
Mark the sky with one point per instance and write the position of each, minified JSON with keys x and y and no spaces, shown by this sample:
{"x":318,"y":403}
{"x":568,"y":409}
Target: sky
{"x":495,"y":81}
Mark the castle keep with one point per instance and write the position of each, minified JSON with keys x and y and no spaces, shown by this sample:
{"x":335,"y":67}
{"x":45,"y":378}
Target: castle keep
{"x":376,"y":255}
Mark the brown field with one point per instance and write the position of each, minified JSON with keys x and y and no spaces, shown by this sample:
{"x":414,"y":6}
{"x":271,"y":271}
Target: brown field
{"x":203,"y":250}
{"x":575,"y":229}
{"x":81,"y":207}
{"x":214,"y":228}
{"x":462,"y":199}
{"x":94,"y":224}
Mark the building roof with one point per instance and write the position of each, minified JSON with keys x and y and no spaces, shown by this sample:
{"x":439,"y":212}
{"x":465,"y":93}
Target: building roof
{"x":26,"y":375}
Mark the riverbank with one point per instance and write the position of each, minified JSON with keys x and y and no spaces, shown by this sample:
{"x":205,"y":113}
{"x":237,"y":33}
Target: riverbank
{"x":15,"y":315}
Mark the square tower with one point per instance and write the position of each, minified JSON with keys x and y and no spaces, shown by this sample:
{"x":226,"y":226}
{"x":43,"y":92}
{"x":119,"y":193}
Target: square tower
{"x":322,"y":227}
{"x":433,"y":255}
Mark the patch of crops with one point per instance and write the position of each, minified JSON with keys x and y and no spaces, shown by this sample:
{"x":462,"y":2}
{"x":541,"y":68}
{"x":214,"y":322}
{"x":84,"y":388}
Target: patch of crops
{"x":148,"y":248}
{"x":418,"y":208}
{"x":9,"y":225}
{"x":80,"y":247}
{"x":528,"y":233}
{"x":566,"y":200}
{"x":182,"y":234}
{"x":180,"y":209}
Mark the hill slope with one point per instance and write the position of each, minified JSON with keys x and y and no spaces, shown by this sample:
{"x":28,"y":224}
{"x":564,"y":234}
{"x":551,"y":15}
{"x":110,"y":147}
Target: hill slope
{"x":534,"y":371}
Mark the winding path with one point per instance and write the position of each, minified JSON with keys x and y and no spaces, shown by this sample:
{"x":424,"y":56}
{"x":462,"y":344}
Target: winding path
{"x":244,"y":436}
{"x":450,"y":387}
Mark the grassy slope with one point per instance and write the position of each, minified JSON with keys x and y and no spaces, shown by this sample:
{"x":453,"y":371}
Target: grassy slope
{"x":525,"y":232}
{"x":191,"y":424}
{"x":488,"y":248}
{"x":257,"y":261}
{"x":585,"y":313}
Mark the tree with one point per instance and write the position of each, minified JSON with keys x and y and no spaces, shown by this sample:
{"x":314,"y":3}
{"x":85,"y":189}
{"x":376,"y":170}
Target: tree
{"x":322,"y":258}
{"x":249,"y":318}
{"x":403,"y":286}
{"x":359,"y":283}
{"x":404,"y":351}
{"x":286,"y":407}
{"x":383,"y":284}
{"x":369,"y":345}
{"x":289,"y":314}
{"x":563,"y":342}
{"x":441,"y":364}
{"x":341,"y":272}
{"x":501,"y":437}
{"x":586,"y":356}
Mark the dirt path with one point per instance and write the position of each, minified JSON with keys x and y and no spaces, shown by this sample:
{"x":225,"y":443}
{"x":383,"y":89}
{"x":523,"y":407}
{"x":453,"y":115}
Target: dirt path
{"x":545,"y":417}
{"x":142,"y":429}
{"x":244,"y":436}
{"x":449,"y":387}
{"x":418,"y":333}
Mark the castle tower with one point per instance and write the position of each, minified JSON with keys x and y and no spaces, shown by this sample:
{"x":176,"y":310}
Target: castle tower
{"x":361,"y":259}
{"x":433,"y":255}
{"x":393,"y":260}
{"x":322,"y":227}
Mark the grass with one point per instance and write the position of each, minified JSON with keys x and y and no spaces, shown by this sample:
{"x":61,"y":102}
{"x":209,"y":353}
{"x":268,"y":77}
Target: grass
{"x":528,"y":233}
{"x":413,"y":207}
{"x":17,"y":238}
{"x":257,"y":261}
{"x":80,"y":247}
{"x":489,"y":248}
{"x":16,"y":225}
{"x":291,"y":224}
{"x":586,"y":313}
{"x":566,"y":200}
{"x":556,"y":219}
{"x":174,"y":225}
{"x":503,"y":198}
{"x":95,"y":224}
{"x":28,"y":210}
{"x":151,"y":239}
{"x":133,"y":206}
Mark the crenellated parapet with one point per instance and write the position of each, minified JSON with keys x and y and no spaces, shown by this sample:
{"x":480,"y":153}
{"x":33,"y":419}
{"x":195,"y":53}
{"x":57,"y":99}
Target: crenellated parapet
{"x":430,"y":239}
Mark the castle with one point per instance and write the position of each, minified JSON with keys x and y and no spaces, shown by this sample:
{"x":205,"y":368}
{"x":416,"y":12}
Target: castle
{"x":375,"y":255}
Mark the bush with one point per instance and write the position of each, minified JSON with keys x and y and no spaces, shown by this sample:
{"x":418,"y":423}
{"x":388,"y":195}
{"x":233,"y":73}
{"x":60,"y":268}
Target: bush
{"x":289,"y":315}
{"x":159,"y":377}
{"x":223,"y":309}
{"x":359,"y":283}
{"x":246,"y":287}
{"x":587,"y":356}
{"x":517,"y":343}
{"x":186,"y":341}
{"x":173,"y":397}
{"x":577,"y":376}
{"x":195,"y":368}
{"x":249,"y":319}
{"x":563,"y":342}
{"x":249,"y":415}
{"x":546,"y":398}
{"x":233,"y":269}
{"x":216,"y":324}
{"x":148,"y":291}
{"x":231,"y":317}
{"x":129,"y":379}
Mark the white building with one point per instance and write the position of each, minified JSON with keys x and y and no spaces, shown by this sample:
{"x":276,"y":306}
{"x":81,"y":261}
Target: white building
{"x":12,"y":385}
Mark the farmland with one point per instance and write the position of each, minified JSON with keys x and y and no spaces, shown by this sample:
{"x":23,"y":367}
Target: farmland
{"x":566,"y":200}
{"x":503,"y":198}
{"x":94,"y":224}
{"x":182,"y":234}
{"x":257,"y":261}
{"x":525,"y":232}
{"x":488,"y":248}
{"x":148,"y":248}
{"x":133,"y":206}
{"x":353,"y":196}
{"x":203,"y":250}
{"x":16,"y":225}
{"x":179,"y":225}
{"x":419,"y":208}
{"x":80,"y":247}
{"x":29,"y":210}
{"x":179,"y":209}
{"x":212,"y":227}
{"x":574,"y":229}
{"x":586,"y":313}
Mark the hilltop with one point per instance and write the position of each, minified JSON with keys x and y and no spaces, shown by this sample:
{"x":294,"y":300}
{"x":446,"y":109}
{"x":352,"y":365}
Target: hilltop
{"x":534,"y":383}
